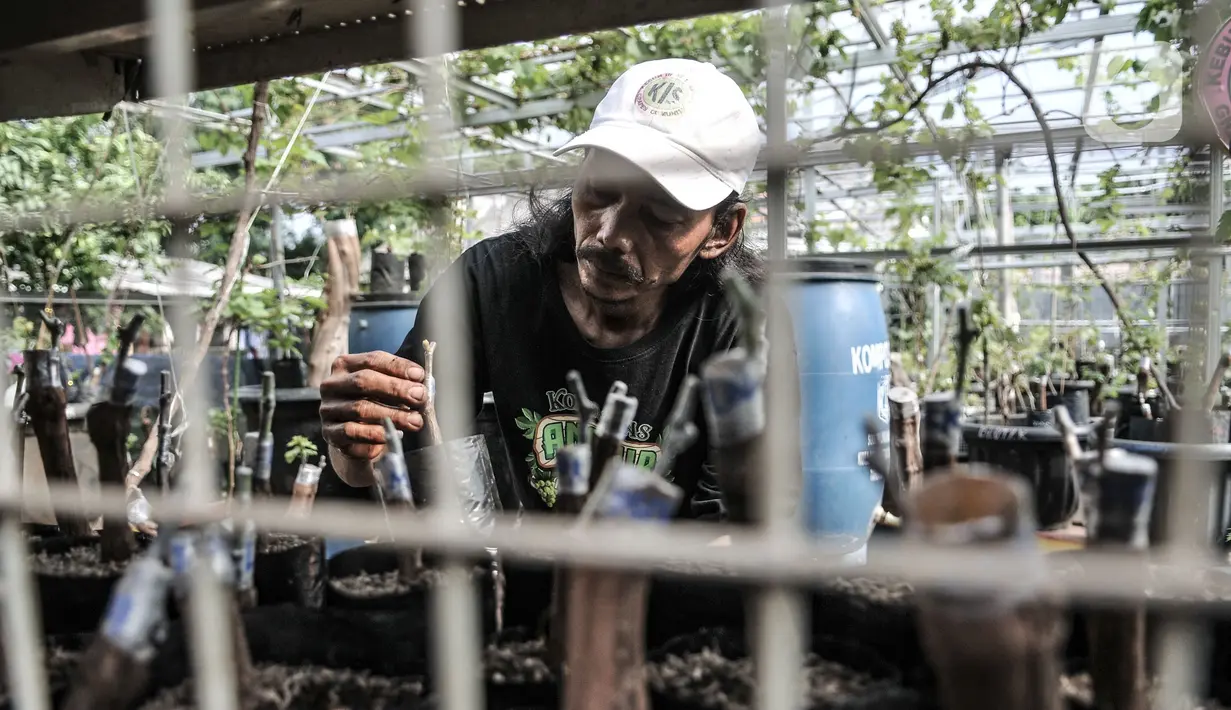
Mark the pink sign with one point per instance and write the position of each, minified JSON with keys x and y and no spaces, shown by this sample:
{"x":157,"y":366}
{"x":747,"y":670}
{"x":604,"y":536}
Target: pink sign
{"x":1214,"y":82}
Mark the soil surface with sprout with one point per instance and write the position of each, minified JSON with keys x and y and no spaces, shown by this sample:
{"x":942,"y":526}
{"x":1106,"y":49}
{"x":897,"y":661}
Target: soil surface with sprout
{"x":1078,"y":691}
{"x":517,"y":662}
{"x":366,"y":585}
{"x":275,"y":687}
{"x":80,"y":561}
{"x":274,"y":543}
{"x":707,"y":679}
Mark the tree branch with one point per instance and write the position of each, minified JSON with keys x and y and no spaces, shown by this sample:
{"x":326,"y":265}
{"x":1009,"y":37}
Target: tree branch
{"x":236,"y":255}
{"x":1127,"y":324}
{"x":1063,"y":209}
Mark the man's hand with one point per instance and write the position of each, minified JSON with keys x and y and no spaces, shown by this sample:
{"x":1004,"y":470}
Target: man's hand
{"x":360,"y":391}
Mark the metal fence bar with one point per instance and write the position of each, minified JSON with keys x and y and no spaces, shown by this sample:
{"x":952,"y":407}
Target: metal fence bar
{"x":776,"y":556}
{"x":750,"y":557}
{"x":211,"y":648}
{"x":779,"y":609}
{"x":435,"y":32}
{"x":20,"y":615}
{"x":1194,"y":484}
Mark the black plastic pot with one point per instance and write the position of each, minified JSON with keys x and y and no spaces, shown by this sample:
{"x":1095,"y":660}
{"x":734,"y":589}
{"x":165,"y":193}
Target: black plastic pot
{"x":381,"y":558}
{"x":1075,"y":396}
{"x":388,"y":274}
{"x":875,"y":615}
{"x":390,"y":644}
{"x":290,"y":373}
{"x":677,"y":605}
{"x":1167,"y":455}
{"x":71,"y":605}
{"x":292,"y":576}
{"x":508,"y":688}
{"x":887,"y":693}
{"x":1037,"y":455}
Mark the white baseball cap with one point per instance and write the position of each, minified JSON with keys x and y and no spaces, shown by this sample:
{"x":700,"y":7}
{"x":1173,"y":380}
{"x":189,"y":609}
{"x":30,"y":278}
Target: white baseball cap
{"x":682,"y":121}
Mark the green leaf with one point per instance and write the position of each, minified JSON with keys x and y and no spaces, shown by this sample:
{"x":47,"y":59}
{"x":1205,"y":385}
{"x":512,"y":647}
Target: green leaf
{"x":1223,"y":233}
{"x":948,"y":112}
{"x":1115,"y":66}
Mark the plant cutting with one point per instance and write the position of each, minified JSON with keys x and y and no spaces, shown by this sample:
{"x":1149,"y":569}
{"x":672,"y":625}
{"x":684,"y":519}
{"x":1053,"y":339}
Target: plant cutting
{"x":573,"y":484}
{"x":605,"y":641}
{"x":17,"y":448}
{"x":1118,"y":492}
{"x":110,"y":423}
{"x":46,"y":406}
{"x":390,"y":577}
{"x":733,"y":387}
{"x":265,"y":457}
{"x":273,"y":567}
{"x":114,"y":671}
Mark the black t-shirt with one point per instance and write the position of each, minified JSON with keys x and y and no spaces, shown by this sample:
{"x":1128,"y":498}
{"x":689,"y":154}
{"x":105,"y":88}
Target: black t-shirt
{"x":523,"y":342}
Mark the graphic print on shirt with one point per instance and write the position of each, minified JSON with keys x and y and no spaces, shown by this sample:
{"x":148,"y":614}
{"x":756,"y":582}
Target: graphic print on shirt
{"x":548,"y":434}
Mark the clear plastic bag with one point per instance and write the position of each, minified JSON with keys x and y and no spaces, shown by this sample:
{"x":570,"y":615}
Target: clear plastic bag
{"x":470,"y":468}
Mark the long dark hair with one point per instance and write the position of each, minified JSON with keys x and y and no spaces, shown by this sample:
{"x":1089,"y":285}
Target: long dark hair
{"x":546,"y":231}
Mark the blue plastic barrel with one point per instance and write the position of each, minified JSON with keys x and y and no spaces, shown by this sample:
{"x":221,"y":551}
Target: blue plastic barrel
{"x":842,"y":339}
{"x":380,"y":324}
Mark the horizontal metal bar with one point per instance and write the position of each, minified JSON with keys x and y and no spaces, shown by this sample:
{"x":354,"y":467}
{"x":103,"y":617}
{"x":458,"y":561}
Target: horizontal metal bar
{"x":1036,"y":248}
{"x":436,"y":177}
{"x":1069,"y":31}
{"x":789,"y":559}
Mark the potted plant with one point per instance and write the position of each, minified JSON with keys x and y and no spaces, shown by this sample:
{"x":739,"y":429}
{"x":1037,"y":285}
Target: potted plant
{"x":290,"y":569}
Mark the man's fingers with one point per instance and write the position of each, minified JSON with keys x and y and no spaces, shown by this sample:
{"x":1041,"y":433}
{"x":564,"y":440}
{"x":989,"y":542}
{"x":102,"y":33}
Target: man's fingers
{"x":346,"y":434}
{"x":362,"y":411}
{"x":379,"y":361}
{"x":377,"y":386}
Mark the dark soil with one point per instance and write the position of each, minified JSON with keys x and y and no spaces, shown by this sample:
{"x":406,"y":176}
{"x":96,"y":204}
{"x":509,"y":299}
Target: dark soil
{"x":874,"y":591}
{"x":707,"y":678}
{"x":517,"y":662}
{"x":1079,"y":695}
{"x":380,"y":584}
{"x":80,"y":561}
{"x":273,"y":543}
{"x":61,"y":663}
{"x":878,"y":614}
{"x":275,"y":687}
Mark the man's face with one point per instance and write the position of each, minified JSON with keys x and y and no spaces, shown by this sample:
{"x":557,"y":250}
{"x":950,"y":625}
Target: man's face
{"x":631,"y":237}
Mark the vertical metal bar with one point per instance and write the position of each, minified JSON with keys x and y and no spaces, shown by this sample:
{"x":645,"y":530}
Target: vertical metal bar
{"x":435,"y":31}
{"x":171,"y":44}
{"x":1213,"y":313}
{"x":779,"y":612}
{"x":20,"y":615}
{"x":809,"y":187}
{"x":934,"y":295}
{"x":1004,"y":233}
{"x":277,"y":258}
{"x":1184,"y":642}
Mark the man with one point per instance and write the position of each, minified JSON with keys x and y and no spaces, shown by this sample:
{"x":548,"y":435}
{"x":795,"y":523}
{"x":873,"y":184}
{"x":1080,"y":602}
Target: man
{"x":618,"y":280}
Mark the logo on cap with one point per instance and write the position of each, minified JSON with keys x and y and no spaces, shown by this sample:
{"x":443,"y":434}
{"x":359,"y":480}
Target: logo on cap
{"x":664,"y":95}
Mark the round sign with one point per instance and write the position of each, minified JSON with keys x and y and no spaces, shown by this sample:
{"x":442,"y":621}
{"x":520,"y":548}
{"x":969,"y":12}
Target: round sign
{"x":664,"y":95}
{"x":1214,"y":82}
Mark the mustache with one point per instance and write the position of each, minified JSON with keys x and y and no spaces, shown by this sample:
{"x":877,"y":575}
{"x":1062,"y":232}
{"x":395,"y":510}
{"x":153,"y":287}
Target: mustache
{"x":611,"y":262}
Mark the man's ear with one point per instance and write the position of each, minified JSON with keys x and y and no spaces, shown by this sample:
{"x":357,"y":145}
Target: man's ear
{"x":725,"y":231}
